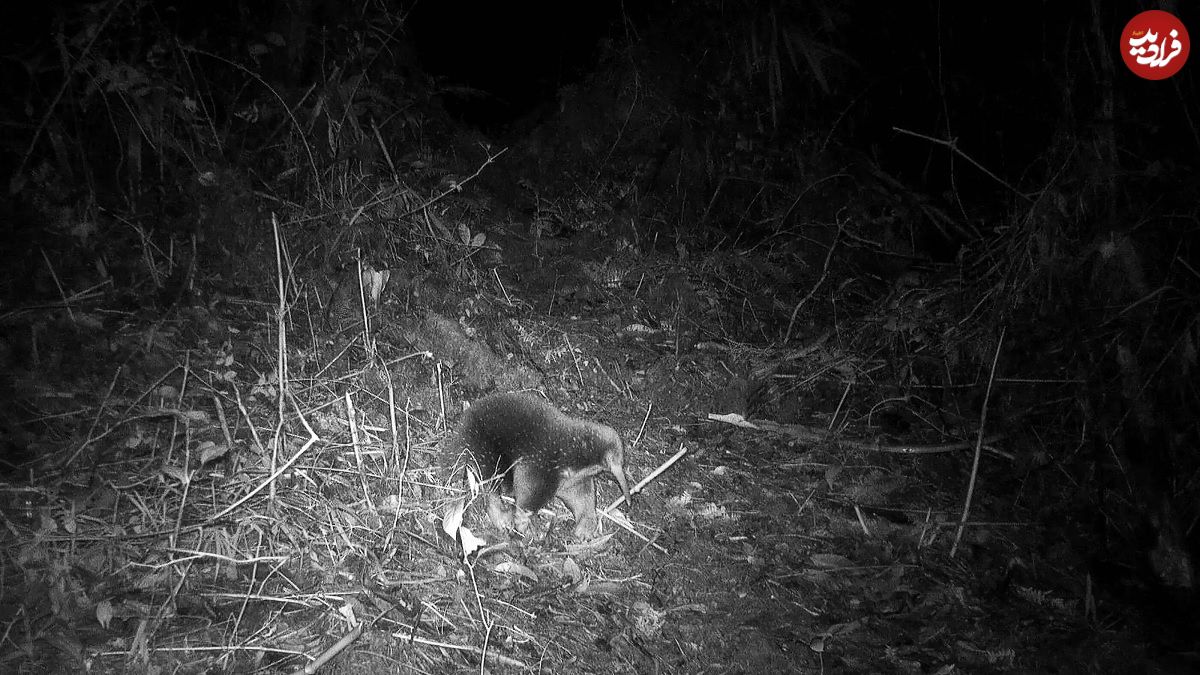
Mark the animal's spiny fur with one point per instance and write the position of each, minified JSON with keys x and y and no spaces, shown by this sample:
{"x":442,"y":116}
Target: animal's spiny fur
{"x":540,"y":453}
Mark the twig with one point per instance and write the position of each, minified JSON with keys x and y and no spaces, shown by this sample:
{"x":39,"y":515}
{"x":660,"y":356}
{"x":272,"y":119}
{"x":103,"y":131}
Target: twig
{"x":952,"y":144}
{"x":487,"y":638}
{"x":837,"y":413}
{"x":368,"y":337}
{"x":638,"y":488}
{"x":387,"y":156}
{"x":787,"y":335}
{"x":270,"y":480}
{"x":505,"y":660}
{"x":407,"y":440}
{"x":502,"y":288}
{"x":258,"y":444}
{"x":356,"y":441}
{"x":224,"y":422}
{"x":96,"y":420}
{"x":574,"y":358}
{"x":454,"y":187}
{"x":637,"y":93}
{"x":441,"y":385}
{"x":642,"y":428}
{"x":394,"y":462}
{"x":280,"y":346}
{"x":89,"y":293}
{"x":333,"y":651}
{"x":191,"y":554}
{"x":810,"y":435}
{"x":58,"y":285}
{"x":625,"y":525}
{"x":186,"y":477}
{"x":654,"y":474}
{"x":862,"y":521}
{"x":930,"y":449}
{"x":483,"y":615}
{"x":204,"y":649}
{"x":978,"y":448}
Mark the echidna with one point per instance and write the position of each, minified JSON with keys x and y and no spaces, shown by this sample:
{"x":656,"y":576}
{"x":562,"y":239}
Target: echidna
{"x":540,"y":453}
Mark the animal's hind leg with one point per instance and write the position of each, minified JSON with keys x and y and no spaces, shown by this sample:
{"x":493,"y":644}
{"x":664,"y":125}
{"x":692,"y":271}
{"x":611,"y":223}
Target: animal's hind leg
{"x":505,"y":517}
{"x":499,"y":513}
{"x":580,"y":497}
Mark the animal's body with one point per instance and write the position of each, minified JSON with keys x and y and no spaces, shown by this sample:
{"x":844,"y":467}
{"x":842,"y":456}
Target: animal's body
{"x":539,"y":453}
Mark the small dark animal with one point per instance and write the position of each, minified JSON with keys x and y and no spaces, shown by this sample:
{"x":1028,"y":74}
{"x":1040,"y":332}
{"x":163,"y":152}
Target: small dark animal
{"x":540,"y":453}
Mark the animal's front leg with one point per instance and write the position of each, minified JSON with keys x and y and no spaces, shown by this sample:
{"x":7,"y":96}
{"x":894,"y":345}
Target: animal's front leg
{"x":580,"y":497}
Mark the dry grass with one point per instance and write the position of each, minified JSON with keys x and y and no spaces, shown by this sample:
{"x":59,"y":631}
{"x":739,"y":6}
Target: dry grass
{"x":212,"y":513}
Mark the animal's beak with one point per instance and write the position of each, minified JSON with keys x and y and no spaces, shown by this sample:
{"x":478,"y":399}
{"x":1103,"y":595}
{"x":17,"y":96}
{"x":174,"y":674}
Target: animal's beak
{"x":618,"y":472}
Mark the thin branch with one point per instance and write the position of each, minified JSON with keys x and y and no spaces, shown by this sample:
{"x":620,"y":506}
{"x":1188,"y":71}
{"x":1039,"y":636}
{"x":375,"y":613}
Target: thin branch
{"x":966,"y":512}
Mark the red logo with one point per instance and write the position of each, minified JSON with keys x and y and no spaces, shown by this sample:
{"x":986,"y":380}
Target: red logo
{"x":1155,"y":45}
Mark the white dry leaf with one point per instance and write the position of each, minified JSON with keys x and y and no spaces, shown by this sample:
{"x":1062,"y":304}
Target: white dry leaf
{"x":711,"y":511}
{"x":178,"y":473}
{"x":47,"y":525}
{"x":390,"y":505}
{"x":830,"y":561}
{"x":601,"y":588}
{"x":88,"y":321}
{"x":683,"y":499}
{"x":831,"y":475}
{"x":647,"y":620}
{"x":736,"y":419}
{"x":375,"y":282}
{"x":590,"y":546}
{"x":104,"y":613}
{"x":512,"y":568}
{"x":84,"y":230}
{"x":135,"y":439}
{"x":619,"y":518}
{"x":469,"y":542}
{"x":452,"y":518}
{"x":474,"y":482}
{"x":210,"y":451}
{"x":570,"y":569}
{"x":198,"y":416}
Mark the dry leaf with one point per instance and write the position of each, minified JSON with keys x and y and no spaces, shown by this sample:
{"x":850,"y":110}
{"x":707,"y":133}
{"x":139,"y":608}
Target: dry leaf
{"x":510,"y":567}
{"x":830,"y":561}
{"x":104,"y":613}
{"x":570,"y":569}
